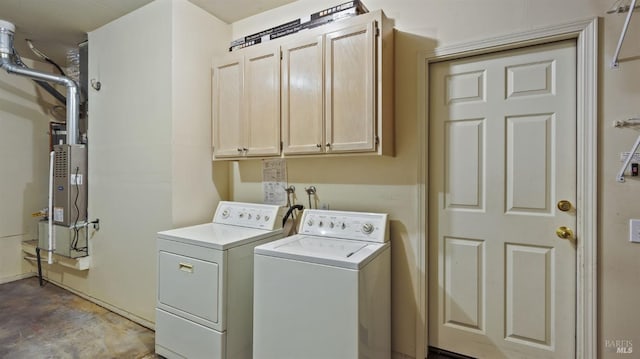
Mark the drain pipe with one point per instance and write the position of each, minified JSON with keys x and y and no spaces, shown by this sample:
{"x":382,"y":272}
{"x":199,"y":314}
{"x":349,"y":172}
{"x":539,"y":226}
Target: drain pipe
{"x":8,"y":62}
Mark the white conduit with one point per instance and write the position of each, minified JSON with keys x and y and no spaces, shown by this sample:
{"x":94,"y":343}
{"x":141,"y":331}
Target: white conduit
{"x":52,"y":240}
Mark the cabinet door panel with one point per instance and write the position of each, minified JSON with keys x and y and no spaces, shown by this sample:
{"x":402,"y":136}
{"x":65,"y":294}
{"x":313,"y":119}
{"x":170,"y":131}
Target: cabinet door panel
{"x":302,"y":98}
{"x":227,"y":107}
{"x":262,"y":93}
{"x":350,"y":89}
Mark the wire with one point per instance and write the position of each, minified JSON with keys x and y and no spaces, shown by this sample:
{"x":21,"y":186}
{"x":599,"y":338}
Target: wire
{"x":44,"y":57}
{"x":76,"y":230}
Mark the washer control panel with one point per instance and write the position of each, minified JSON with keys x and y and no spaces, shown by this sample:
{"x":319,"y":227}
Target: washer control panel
{"x":363,"y":226}
{"x":251,"y":215}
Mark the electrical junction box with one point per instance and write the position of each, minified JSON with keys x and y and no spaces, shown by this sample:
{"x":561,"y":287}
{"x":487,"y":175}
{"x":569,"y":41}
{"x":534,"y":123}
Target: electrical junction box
{"x":69,"y":185}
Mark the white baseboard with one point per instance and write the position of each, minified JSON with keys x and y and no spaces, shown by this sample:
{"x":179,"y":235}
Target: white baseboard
{"x":16,"y":277}
{"x":396,"y":355}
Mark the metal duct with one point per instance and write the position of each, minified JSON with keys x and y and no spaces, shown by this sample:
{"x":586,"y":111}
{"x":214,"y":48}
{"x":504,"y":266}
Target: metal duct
{"x":8,"y":62}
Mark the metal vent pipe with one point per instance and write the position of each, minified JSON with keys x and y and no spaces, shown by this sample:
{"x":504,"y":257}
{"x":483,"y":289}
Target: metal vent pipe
{"x":9,"y":63}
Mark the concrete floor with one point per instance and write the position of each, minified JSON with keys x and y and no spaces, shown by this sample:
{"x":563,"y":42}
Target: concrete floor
{"x":50,"y":322}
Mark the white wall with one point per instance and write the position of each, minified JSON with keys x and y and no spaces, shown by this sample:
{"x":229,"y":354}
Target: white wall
{"x":149,"y":149}
{"x":24,"y":157}
{"x":197,"y":185}
{"x":390,"y":185}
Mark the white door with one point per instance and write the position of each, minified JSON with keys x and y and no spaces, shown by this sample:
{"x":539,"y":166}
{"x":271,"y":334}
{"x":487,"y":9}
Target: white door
{"x":501,"y":157}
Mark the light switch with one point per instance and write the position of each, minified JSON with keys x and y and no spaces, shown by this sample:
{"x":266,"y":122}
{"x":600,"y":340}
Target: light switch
{"x":634,"y":230}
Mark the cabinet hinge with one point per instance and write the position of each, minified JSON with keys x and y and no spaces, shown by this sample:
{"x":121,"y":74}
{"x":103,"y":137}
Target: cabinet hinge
{"x":377,"y":140}
{"x":280,"y":54}
{"x":281,"y":145}
{"x":377,"y":29}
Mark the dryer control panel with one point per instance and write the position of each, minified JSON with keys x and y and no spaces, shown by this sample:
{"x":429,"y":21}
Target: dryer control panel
{"x":363,"y":226}
{"x":251,"y":215}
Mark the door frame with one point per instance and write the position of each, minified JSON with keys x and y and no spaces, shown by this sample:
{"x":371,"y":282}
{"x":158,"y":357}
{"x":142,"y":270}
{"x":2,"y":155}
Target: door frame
{"x":585,"y":32}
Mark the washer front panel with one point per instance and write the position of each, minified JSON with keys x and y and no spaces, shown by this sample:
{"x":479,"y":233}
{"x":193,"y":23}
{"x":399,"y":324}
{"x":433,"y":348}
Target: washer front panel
{"x":371,"y":227}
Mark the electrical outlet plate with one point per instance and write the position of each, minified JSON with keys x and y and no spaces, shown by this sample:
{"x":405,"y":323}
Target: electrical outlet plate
{"x":634,"y":230}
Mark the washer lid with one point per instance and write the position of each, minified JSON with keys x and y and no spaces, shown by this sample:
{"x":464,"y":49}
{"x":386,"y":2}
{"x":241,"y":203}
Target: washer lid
{"x":323,"y":250}
{"x":216,"y":235}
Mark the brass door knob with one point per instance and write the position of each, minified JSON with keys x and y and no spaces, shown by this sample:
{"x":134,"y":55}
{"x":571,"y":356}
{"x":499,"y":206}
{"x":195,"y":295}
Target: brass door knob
{"x":564,"y":232}
{"x":564,"y":205}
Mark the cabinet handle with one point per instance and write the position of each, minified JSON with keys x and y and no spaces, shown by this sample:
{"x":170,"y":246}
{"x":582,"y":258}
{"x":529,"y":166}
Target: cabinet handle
{"x":328,"y":145}
{"x":186,"y":267}
{"x":245,"y":149}
{"x":318,"y":145}
{"x":239,"y":149}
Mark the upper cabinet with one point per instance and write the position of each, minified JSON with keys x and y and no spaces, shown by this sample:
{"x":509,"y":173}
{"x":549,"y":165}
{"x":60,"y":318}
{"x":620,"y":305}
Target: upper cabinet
{"x":303,"y":96}
{"x":328,"y":90}
{"x":246,"y":104}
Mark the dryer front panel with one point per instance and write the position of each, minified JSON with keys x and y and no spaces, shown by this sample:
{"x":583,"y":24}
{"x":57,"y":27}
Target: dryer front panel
{"x":189,"y":284}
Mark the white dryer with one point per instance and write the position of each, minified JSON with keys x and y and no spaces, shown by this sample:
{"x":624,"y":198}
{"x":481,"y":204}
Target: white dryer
{"x":325,"y":292}
{"x":205,"y":282}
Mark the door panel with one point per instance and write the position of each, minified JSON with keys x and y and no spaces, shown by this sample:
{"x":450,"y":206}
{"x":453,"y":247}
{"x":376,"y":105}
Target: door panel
{"x":501,"y":155}
{"x":262,"y":92}
{"x":302,"y":96}
{"x":350,"y":89}
{"x":227,"y":106}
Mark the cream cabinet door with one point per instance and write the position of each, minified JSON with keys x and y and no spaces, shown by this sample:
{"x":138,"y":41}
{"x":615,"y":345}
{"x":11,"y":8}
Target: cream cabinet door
{"x":350,"y":89}
{"x":302,"y":97}
{"x":262,"y":101}
{"x":227,"y":103}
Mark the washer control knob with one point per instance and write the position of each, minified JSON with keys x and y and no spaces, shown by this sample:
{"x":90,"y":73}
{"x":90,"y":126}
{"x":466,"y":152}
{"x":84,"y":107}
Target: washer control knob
{"x":225,"y":213}
{"x":367,"y":228}
{"x":343,"y":226}
{"x":320,"y":224}
{"x":310,"y":223}
{"x":266,"y":218}
{"x":331,"y":225}
{"x":257,"y":217}
{"x":249,"y":216}
{"x":241,"y":215}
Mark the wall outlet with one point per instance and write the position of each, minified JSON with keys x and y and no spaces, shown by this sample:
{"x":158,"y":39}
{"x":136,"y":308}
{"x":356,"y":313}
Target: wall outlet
{"x":634,"y":230}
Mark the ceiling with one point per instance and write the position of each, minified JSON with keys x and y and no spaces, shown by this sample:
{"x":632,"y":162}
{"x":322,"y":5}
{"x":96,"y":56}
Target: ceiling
{"x":55,"y":26}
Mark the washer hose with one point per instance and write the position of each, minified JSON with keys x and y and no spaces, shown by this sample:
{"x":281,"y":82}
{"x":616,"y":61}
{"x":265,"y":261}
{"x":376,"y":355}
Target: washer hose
{"x":299,"y":207}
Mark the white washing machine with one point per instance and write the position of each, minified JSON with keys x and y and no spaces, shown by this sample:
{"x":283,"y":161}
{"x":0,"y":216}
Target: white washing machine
{"x":205,"y":282}
{"x":325,"y":292}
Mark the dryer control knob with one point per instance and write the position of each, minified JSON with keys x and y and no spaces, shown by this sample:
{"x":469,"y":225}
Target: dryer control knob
{"x":310,"y":223}
{"x":367,"y":228}
{"x":257,"y":217}
{"x":266,"y":218}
